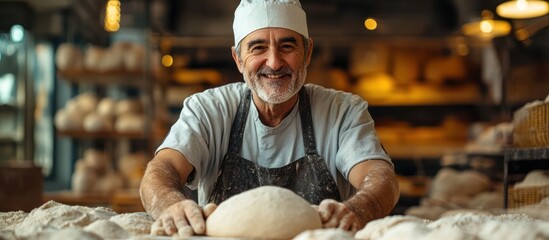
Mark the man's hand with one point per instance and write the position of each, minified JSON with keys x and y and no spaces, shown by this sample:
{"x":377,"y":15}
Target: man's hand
{"x":184,"y":218}
{"x":335,"y":214}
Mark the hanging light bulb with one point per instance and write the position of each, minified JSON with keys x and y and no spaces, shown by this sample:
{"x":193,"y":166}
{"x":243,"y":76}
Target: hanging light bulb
{"x":518,"y":9}
{"x":112,"y":16}
{"x":487,"y":27}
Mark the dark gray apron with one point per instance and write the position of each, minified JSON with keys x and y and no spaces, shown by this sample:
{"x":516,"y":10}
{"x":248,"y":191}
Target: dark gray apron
{"x":308,"y":176}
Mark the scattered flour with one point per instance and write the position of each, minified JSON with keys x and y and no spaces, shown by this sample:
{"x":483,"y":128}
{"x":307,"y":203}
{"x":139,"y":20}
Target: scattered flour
{"x":324,"y":234}
{"x":467,"y":225}
{"x":66,"y":233}
{"x":54,"y":215}
{"x":138,"y":223}
{"x":107,"y":229}
{"x":10,"y":220}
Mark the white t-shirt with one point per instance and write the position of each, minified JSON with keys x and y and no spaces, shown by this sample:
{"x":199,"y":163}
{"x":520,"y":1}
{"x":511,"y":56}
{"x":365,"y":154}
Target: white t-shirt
{"x":344,"y":134}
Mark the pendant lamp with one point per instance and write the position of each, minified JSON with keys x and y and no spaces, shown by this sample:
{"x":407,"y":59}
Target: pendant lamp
{"x":520,"y":9}
{"x":487,"y":27}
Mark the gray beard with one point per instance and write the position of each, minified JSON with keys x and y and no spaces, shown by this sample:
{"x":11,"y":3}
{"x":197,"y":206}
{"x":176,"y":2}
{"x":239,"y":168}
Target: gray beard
{"x":278,"y":95}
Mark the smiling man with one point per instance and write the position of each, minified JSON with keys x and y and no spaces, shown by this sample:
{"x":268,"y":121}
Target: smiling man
{"x":271,"y":130}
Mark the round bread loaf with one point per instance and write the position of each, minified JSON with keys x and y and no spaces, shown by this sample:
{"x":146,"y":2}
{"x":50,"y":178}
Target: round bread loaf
{"x":267,"y":212}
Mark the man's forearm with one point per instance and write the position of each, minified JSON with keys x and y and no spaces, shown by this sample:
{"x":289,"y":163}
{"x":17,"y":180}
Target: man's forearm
{"x":376,"y":196}
{"x":160,"y":188}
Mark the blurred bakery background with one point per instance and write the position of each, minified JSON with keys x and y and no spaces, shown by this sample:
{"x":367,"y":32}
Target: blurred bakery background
{"x":458,"y":90}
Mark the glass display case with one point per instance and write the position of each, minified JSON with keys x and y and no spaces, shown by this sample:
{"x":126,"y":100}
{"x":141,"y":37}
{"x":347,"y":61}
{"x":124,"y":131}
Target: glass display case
{"x":26,"y":89}
{"x":16,"y":112}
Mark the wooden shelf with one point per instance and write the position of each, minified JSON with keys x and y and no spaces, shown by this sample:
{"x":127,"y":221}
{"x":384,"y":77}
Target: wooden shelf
{"x":116,"y":77}
{"x":424,"y":95}
{"x":103,"y":134}
{"x":422,"y":149}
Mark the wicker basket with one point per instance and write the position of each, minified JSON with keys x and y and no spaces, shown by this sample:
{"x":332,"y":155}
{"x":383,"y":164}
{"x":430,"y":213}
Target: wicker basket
{"x":519,"y":197}
{"x":531,"y":126}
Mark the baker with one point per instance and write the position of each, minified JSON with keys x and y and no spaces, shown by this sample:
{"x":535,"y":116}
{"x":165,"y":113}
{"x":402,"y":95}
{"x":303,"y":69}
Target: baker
{"x":271,"y":130}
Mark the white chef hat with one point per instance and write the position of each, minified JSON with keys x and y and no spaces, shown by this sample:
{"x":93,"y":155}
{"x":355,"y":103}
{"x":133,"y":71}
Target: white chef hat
{"x":251,"y":15}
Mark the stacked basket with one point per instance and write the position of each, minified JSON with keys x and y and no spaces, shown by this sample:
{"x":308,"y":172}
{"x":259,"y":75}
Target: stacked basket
{"x":523,"y":196}
{"x":531,"y":129}
{"x":531,"y":126}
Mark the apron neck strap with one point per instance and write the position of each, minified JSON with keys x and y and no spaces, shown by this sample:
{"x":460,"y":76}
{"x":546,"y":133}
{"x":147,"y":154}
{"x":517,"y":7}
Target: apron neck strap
{"x":239,"y":122}
{"x":306,"y":122}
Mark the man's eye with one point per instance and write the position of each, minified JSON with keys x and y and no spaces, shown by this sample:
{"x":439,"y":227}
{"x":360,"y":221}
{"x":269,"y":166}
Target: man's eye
{"x":258,"y":49}
{"x":287,"y":48}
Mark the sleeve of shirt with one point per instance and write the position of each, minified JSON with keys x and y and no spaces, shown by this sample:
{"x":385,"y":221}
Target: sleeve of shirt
{"x":189,"y":136}
{"x":358,"y":139}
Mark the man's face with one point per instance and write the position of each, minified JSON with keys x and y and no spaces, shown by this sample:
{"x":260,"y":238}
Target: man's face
{"x":273,"y":63}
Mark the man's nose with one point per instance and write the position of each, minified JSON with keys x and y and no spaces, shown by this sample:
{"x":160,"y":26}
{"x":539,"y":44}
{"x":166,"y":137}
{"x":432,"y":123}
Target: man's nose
{"x":274,"y":59}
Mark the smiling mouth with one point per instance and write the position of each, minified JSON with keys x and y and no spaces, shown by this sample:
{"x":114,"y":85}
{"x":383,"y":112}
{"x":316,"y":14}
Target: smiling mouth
{"x":274,"y":76}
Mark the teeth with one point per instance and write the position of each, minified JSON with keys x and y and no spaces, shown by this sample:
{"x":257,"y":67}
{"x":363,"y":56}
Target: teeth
{"x":274,"y":75}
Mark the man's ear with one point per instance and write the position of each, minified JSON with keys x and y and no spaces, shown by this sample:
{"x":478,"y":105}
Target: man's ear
{"x":236,"y":59}
{"x":310,"y":51}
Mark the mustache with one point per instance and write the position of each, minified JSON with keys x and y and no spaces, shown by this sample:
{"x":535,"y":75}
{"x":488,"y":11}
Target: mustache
{"x":270,"y":71}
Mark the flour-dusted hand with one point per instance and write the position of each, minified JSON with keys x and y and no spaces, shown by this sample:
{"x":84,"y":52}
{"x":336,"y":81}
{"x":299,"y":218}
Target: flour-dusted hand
{"x":335,"y":214}
{"x":184,"y":218}
{"x":209,"y":209}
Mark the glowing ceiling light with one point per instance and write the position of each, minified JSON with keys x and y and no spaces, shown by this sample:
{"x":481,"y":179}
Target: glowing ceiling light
{"x":167,"y":60}
{"x":112,"y":16}
{"x":518,"y":9}
{"x":370,"y":24}
{"x":487,"y":27}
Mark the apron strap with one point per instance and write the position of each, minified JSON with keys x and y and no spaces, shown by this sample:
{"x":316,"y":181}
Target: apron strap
{"x":239,"y":123}
{"x":307,"y":123}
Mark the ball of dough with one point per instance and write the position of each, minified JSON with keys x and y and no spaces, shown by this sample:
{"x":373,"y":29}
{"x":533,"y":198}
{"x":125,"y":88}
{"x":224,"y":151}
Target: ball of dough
{"x":129,"y":106}
{"x":107,"y":107}
{"x":86,"y":102}
{"x":134,"y":57}
{"x":265,"y":212}
{"x":110,"y":183}
{"x":449,"y":184}
{"x":65,"y":120}
{"x":130,"y":122}
{"x":84,"y":178}
{"x":68,"y":57}
{"x":96,"y":123}
{"x":72,"y":107}
{"x":535,"y":178}
{"x":132,"y":166}
{"x":114,"y":56}
{"x":93,"y":57}
{"x":96,"y":159}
